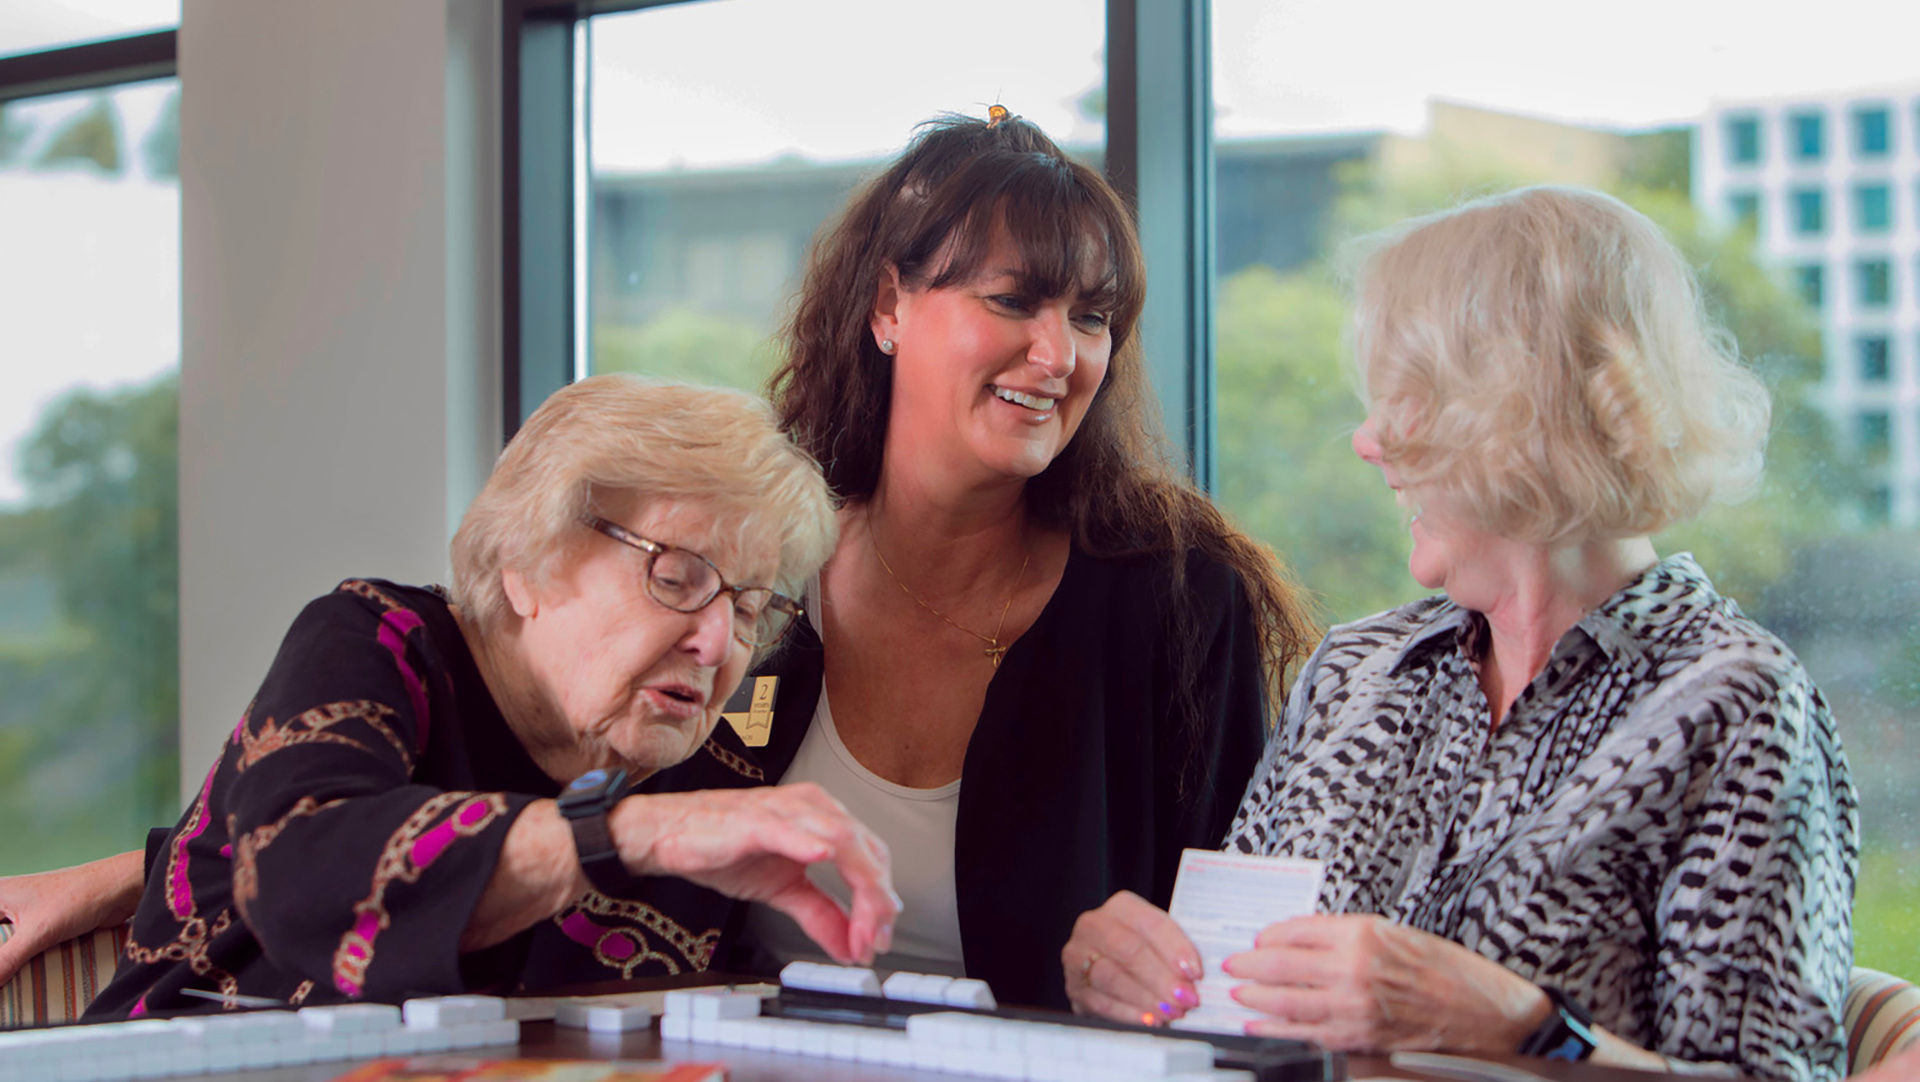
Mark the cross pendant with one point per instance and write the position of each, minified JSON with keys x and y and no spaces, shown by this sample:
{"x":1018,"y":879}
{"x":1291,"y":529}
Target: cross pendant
{"x":995,"y":653}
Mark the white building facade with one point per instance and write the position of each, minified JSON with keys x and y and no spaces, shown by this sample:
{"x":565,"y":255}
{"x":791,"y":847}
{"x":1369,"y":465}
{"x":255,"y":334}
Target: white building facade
{"x":1832,"y":187}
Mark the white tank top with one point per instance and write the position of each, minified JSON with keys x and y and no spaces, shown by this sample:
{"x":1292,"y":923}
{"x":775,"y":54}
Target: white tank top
{"x":916,"y":824}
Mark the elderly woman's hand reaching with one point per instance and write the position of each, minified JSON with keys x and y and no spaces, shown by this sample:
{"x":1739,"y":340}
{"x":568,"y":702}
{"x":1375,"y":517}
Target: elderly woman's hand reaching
{"x":755,"y":844}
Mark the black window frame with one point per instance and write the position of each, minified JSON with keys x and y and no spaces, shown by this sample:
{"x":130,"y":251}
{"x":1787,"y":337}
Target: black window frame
{"x":94,"y":65}
{"x":1159,"y":155}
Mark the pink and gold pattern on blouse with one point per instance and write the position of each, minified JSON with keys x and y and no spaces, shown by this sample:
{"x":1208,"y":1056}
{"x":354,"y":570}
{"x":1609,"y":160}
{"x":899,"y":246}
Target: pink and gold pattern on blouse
{"x":413,"y":848}
{"x":626,"y":949}
{"x":313,"y":727}
{"x":247,"y":847}
{"x":190,"y":946}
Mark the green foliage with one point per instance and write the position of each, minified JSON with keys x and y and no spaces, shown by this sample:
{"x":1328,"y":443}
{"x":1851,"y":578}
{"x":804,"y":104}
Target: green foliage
{"x":161,"y":147}
{"x":688,"y":345}
{"x":93,"y":136}
{"x":92,"y":711}
{"x":1886,"y":910}
{"x":1661,"y":161}
{"x":1900,"y":680}
{"x":1287,"y":471}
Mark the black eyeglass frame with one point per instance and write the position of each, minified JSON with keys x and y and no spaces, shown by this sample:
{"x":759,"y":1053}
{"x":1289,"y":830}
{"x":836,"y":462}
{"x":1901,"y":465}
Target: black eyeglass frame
{"x":776,"y":601}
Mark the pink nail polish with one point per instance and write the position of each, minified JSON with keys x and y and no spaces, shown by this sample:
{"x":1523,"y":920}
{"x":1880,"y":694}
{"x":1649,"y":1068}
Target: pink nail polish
{"x":1165,"y":1008}
{"x":1189,"y":970}
{"x":1185,"y":998}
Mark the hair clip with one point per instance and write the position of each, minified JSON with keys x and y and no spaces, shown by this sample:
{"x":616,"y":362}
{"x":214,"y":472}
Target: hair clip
{"x":995,"y":114}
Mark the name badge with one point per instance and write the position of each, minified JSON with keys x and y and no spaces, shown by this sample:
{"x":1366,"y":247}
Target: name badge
{"x":750,"y":710}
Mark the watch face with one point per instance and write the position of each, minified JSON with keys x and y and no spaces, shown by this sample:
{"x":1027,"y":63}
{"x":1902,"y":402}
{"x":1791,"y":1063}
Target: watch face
{"x":590,"y":780}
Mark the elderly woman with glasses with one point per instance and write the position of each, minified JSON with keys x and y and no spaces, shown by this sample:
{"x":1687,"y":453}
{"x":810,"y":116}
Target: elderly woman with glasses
{"x":431,"y":792}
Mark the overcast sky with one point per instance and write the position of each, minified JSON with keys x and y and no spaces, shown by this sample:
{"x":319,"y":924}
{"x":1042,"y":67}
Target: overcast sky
{"x":724,"y":83}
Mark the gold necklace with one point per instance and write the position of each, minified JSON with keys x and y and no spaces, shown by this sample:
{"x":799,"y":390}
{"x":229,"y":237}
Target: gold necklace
{"x":994,"y":651}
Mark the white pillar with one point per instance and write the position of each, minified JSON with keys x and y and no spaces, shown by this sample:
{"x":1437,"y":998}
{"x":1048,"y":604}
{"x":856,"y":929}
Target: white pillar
{"x":339,"y":387}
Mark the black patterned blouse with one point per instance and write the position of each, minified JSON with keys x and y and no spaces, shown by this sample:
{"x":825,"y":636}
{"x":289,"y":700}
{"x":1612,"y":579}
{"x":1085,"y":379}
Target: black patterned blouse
{"x":353,"y":819}
{"x":1663,"y":825}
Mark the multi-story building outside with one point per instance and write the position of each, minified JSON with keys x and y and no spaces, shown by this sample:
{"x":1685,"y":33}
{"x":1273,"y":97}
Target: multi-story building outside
{"x":1831,"y":187}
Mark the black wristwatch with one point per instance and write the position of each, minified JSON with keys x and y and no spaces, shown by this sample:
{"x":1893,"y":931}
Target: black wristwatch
{"x":1566,"y":1034}
{"x":585,"y":803}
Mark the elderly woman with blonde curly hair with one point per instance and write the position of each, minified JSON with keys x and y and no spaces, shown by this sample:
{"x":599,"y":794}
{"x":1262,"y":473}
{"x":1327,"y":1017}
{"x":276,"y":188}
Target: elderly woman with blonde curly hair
{"x":432,"y":792}
{"x":1576,"y":804}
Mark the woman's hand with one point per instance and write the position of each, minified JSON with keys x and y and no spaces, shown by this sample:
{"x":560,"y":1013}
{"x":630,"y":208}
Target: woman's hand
{"x":755,"y":844}
{"x":50,"y":907}
{"x":1130,"y":962}
{"x":1358,"y":982}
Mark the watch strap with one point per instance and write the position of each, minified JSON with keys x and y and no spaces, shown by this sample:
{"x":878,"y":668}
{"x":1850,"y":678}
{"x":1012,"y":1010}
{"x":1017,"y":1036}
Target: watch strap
{"x":1567,"y":1034}
{"x":599,"y":857}
{"x":584,"y":803}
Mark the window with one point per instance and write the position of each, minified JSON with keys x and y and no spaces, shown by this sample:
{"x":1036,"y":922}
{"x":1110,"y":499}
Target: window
{"x":1878,"y":506}
{"x":709,"y":181}
{"x":1873,"y":352}
{"x":1873,"y":283}
{"x":1873,"y":435}
{"x":1744,"y":209}
{"x":1809,"y":136}
{"x":1311,"y":151}
{"x":1872,"y":208}
{"x":1871,"y":131}
{"x":1809,"y":211}
{"x":1810,"y":281}
{"x":89,"y":273}
{"x":1309,"y":148}
{"x":1743,"y":140}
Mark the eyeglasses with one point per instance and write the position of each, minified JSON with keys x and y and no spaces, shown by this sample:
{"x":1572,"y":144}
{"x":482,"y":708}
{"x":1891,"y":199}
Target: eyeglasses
{"x":686,"y":581}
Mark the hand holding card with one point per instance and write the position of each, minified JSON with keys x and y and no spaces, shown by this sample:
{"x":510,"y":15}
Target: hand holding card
{"x":1222,"y":901}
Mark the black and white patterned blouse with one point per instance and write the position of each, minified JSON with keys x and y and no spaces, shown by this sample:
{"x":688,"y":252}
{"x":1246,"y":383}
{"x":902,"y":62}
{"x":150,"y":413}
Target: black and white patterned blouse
{"x":1663,"y":825}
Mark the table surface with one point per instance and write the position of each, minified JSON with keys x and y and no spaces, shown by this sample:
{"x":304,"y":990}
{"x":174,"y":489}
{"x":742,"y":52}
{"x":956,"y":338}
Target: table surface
{"x":544,"y":1040}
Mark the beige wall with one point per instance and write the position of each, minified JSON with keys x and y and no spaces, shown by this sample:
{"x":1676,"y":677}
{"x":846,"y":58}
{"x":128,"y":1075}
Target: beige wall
{"x":339,"y":396}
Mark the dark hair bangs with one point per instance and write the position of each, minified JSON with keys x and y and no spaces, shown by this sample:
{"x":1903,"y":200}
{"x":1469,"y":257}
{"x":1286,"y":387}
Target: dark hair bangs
{"x":1064,"y":234}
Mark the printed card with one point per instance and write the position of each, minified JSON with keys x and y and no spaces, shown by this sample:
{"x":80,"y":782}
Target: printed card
{"x":1222,"y":900}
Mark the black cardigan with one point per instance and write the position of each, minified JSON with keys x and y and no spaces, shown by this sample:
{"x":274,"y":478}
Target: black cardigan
{"x":1079,"y":780}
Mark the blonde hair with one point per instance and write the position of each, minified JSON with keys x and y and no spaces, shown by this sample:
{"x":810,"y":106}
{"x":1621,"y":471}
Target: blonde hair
{"x":1544,"y":358}
{"x":615,"y":438}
